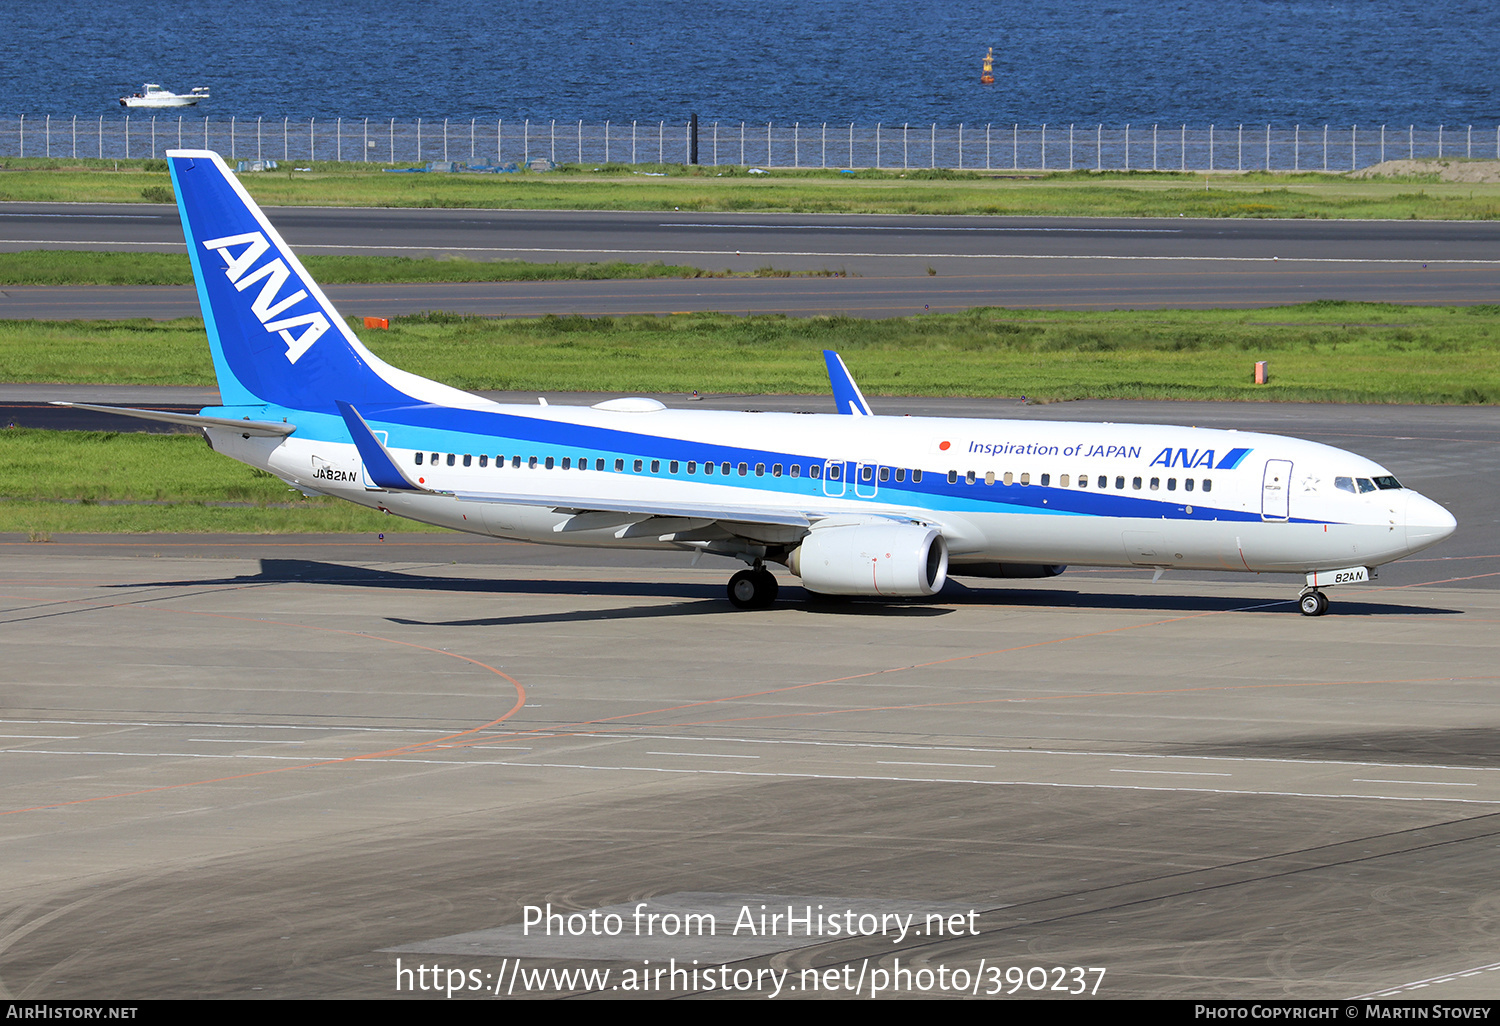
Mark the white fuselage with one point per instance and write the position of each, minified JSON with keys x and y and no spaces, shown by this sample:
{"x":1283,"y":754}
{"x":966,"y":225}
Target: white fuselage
{"x":1015,"y":492}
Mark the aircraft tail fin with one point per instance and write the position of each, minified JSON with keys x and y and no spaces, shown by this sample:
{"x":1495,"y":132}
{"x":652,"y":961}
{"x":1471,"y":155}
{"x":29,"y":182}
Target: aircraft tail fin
{"x":275,"y":337}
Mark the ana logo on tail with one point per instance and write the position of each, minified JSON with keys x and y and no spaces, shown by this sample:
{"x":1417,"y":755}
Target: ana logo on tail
{"x":266,"y":307}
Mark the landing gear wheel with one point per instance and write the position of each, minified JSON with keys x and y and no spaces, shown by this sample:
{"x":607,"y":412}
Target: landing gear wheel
{"x":1313,"y":603}
{"x":753,"y":589}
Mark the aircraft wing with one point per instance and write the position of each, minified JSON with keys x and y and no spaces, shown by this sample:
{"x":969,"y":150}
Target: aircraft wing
{"x":386,"y":474}
{"x":685,"y":510}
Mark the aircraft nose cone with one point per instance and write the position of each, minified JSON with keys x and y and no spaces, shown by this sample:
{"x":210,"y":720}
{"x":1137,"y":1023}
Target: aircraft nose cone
{"x":1427,"y":523}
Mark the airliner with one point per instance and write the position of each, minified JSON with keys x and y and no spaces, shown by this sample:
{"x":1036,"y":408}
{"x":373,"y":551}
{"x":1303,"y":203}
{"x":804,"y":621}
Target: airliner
{"x":852,"y":503}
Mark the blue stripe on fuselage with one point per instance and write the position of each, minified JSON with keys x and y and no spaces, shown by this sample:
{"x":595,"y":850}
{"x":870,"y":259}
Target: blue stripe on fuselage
{"x":433,"y":428}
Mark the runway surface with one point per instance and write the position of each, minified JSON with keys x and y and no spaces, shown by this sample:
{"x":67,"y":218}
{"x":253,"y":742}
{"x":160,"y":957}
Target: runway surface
{"x":276,"y":766}
{"x":877,"y":266}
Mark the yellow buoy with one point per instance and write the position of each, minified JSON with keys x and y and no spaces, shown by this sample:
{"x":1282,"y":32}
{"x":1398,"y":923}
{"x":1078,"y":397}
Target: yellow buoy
{"x":988,"y":78}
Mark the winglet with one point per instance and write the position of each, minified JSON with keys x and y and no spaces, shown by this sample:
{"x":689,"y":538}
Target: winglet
{"x":846,"y":394}
{"x":378,"y":462}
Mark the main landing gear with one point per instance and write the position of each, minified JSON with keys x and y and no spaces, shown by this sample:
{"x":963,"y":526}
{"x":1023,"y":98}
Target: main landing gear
{"x":1313,"y":602}
{"x":753,"y":589}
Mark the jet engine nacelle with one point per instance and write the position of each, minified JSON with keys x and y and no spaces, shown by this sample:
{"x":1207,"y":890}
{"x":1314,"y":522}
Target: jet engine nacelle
{"x":861,"y":557}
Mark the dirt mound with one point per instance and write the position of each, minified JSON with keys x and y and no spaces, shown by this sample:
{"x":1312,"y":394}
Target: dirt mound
{"x":1447,"y":170}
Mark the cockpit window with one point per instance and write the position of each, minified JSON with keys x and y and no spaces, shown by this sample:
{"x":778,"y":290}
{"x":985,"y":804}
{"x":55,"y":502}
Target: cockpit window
{"x":1344,"y":484}
{"x":1387,"y":482}
{"x":1365,"y":484}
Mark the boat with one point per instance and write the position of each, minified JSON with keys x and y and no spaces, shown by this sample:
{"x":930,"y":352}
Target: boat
{"x":156,"y":96}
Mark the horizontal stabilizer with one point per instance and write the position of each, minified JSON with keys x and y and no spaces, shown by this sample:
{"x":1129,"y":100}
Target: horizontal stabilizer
{"x":261,"y":428}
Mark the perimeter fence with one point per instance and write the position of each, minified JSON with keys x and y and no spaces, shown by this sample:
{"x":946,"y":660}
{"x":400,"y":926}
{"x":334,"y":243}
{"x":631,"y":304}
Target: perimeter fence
{"x":987,"y":147}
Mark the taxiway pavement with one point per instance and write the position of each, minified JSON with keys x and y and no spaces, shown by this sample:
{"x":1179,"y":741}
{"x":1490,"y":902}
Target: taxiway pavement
{"x":861,"y":265}
{"x":276,"y":766}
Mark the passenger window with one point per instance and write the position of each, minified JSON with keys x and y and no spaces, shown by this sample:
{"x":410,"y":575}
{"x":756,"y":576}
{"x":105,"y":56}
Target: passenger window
{"x":885,"y":473}
{"x":619,"y":466}
{"x":1208,"y":485}
{"x":1155,"y":483}
{"x":656,"y":466}
{"x":744,"y":469}
{"x":419,"y":459}
{"x":636,"y":466}
{"x":1171,"y":484}
{"x":953,"y":477}
{"x":1103,"y":481}
{"x":567,"y":463}
{"x":468,"y":460}
{"x":1047,"y":480}
{"x":724,"y":469}
{"x":916,"y":476}
{"x":531,"y":463}
{"x":760,"y":470}
{"x":1119,"y":484}
{"x":692,"y":466}
{"x":866,"y":474}
{"x":989,"y":477}
{"x":1063,"y":481}
{"x":549,"y":463}
{"x":1083,"y":480}
{"x":672,"y":467}
{"x":708,"y":468}
{"x":1188,"y":484}
{"x":969,"y":477}
{"x":815,"y":471}
{"x":1135,"y":483}
{"x":1025,"y":479}
{"x":451,"y":459}
{"x":900,"y":474}
{"x":795,"y":469}
{"x":484,"y":460}
{"x":776,"y":470}
{"x":836,"y":470}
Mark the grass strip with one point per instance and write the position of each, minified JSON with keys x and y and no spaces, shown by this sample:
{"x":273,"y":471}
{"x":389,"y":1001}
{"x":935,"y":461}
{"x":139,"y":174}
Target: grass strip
{"x":94,"y":481}
{"x":727,"y":189}
{"x":74,"y":267}
{"x":1318,"y":352}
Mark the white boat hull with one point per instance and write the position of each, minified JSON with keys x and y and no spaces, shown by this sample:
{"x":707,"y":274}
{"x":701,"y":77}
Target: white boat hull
{"x":156,"y":98}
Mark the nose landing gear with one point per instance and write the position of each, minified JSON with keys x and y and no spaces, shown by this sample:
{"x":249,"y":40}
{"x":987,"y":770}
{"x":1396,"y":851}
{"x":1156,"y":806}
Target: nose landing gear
{"x":1313,"y":602}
